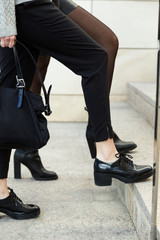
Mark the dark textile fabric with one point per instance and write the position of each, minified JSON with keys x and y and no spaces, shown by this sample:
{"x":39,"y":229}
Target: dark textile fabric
{"x":8,"y":79}
{"x":45,"y":28}
{"x":66,"y":6}
{"x":59,"y":37}
{"x":4,"y":162}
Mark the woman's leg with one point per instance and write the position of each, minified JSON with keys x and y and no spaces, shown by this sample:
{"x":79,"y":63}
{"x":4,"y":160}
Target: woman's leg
{"x":43,"y":62}
{"x":62,"y":39}
{"x":4,"y":165}
{"x":102,"y":34}
{"x":4,"y":193}
{"x":30,"y":157}
{"x":10,"y":204}
{"x":108,"y":40}
{"x":5,"y":63}
{"x":59,"y":37}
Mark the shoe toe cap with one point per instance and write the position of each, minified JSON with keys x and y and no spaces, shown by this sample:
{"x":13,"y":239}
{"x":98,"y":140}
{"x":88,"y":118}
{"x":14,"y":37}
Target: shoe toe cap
{"x":143,"y":168}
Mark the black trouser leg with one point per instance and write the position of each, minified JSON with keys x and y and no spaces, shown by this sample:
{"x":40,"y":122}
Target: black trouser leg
{"x":4,"y":163}
{"x":47,"y":29}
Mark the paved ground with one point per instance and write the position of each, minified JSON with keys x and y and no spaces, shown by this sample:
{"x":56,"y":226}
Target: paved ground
{"x":72,"y":208}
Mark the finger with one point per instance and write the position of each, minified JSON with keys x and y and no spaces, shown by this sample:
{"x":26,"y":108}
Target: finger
{"x":7,"y":40}
{"x":3,"y":42}
{"x":12,"y":41}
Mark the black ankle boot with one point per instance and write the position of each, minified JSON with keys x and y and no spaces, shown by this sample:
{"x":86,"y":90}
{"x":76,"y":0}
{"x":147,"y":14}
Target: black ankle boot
{"x":123,"y":169}
{"x":31,"y":159}
{"x":121,"y":146}
{"x":15,"y":208}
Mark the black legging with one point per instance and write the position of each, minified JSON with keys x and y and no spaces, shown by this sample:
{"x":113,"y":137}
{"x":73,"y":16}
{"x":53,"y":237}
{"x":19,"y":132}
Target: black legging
{"x":45,"y":28}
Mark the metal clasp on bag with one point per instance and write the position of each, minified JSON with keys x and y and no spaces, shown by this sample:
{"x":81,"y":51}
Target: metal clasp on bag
{"x":20,"y":83}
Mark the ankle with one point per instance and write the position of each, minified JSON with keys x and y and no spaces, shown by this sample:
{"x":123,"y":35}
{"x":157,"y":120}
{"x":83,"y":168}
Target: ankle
{"x":109,"y":157}
{"x":106,"y":151}
{"x":4,"y":193}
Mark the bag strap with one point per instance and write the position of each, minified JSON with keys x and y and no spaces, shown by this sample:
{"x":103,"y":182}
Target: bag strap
{"x":21,"y":82}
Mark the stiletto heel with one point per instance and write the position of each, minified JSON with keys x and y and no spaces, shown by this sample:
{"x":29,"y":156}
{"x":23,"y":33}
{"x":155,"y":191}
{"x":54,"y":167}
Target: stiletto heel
{"x":17,"y":170}
{"x":102,"y":179}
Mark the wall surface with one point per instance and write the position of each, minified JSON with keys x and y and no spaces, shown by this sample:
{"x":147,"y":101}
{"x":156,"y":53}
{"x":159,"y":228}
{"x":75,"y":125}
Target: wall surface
{"x":135,"y":23}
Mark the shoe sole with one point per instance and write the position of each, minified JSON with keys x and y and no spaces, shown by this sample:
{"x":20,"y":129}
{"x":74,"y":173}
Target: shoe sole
{"x":105,"y":179}
{"x":41,"y":179}
{"x":17,"y":172}
{"x":45,"y":179}
{"x":20,"y":216}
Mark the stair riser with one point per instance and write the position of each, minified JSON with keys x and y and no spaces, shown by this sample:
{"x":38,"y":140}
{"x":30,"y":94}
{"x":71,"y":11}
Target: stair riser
{"x":141,"y":105}
{"x":140,"y":216}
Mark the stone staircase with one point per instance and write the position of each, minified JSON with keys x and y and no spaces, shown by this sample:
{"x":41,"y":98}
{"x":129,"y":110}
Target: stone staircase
{"x":138,"y":197}
{"x":132,"y":120}
{"x":75,"y":192}
{"x":141,"y":97}
{"x":72,"y":207}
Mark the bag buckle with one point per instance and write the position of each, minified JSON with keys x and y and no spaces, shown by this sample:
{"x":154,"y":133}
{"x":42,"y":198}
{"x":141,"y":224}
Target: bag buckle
{"x":20,"y":82}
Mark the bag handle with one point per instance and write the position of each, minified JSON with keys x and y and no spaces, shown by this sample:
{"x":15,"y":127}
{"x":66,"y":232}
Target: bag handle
{"x":21,"y":82}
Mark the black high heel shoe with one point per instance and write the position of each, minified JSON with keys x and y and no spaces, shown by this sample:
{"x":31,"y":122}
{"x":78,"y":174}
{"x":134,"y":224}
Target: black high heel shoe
{"x":31,"y":159}
{"x":121,"y":146}
{"x":123,"y":169}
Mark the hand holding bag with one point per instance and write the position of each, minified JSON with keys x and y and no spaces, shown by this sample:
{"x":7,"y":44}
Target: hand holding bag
{"x":22,"y":124}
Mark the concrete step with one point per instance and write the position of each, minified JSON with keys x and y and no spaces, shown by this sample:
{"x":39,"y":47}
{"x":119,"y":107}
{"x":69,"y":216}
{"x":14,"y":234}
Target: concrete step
{"x":141,"y":96}
{"x":131,"y":125}
{"x":72,"y":207}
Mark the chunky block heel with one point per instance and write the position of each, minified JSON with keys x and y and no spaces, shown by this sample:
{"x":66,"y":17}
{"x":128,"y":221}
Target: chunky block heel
{"x":30,"y":158}
{"x":17,"y":169}
{"x":91,"y":145}
{"x":122,"y":169}
{"x":102,"y":179}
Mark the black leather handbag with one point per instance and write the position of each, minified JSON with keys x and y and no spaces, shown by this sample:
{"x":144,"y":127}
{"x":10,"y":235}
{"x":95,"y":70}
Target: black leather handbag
{"x":22,"y":123}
